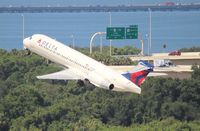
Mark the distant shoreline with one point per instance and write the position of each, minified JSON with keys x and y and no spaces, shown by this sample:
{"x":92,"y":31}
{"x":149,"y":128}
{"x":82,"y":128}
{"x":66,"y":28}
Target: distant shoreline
{"x":120,"y":8}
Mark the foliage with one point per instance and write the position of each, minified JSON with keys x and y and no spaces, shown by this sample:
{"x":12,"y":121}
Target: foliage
{"x":169,"y":124}
{"x":196,"y":72}
{"x":192,"y":49}
{"x":117,"y":57}
{"x":108,"y":60}
{"x":30,"y":104}
{"x":126,"y":50}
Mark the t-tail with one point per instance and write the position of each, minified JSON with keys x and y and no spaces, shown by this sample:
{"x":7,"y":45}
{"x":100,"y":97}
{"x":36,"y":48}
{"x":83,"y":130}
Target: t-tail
{"x":139,"y":73}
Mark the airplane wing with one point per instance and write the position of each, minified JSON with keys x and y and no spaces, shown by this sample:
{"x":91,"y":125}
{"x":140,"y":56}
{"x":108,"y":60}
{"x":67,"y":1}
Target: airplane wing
{"x":66,"y":74}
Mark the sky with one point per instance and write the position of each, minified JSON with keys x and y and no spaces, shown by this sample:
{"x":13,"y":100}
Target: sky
{"x":85,"y":2}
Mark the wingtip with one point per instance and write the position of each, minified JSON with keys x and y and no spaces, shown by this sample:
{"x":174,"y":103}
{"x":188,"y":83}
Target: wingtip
{"x":38,"y":77}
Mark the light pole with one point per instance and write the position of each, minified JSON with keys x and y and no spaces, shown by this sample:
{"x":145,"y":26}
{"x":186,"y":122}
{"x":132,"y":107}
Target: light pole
{"x":101,"y":39}
{"x":110,"y":23}
{"x":142,"y":44}
{"x":91,"y":40}
{"x":23,"y":26}
{"x":150,"y":31}
{"x":147,"y":36}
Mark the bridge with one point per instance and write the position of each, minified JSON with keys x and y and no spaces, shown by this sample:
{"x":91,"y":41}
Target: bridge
{"x":122,"y":8}
{"x":186,"y":58}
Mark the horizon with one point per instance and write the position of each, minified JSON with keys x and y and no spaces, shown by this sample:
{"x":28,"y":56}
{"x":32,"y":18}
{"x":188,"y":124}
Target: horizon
{"x":87,"y":2}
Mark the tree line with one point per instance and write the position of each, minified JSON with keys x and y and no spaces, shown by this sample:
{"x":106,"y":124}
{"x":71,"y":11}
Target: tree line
{"x":192,"y":49}
{"x":27,"y":103}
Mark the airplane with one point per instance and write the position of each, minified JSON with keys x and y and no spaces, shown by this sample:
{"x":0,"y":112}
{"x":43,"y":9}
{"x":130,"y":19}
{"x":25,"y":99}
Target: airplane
{"x":78,"y":66}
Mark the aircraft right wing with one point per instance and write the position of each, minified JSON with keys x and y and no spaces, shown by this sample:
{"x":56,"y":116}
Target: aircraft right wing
{"x":67,"y":74}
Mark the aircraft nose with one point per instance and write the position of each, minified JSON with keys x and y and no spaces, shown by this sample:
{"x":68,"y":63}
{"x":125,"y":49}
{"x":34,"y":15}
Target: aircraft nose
{"x":26,"y":42}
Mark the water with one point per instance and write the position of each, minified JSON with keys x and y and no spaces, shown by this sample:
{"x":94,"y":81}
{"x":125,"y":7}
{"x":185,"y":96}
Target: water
{"x":85,"y":2}
{"x":175,"y":29}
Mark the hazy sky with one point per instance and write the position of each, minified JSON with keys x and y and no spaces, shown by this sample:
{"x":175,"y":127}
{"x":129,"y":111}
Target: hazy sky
{"x":85,"y":2}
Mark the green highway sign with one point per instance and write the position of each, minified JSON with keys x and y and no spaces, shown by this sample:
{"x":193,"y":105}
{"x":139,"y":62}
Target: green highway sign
{"x":131,"y":33}
{"x":115,"y":33}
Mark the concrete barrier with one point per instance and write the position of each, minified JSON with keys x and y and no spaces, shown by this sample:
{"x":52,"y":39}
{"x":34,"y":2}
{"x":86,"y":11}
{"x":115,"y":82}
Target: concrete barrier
{"x":190,"y":54}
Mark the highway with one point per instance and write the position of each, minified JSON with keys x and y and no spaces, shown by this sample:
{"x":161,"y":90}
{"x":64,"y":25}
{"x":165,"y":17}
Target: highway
{"x":181,"y":72}
{"x":182,"y":68}
{"x":184,"y":55}
{"x":186,"y":58}
{"x":126,"y":68}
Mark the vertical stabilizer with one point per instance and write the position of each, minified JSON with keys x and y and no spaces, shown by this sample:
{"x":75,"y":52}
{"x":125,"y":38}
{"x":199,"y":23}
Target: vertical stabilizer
{"x":139,"y":73}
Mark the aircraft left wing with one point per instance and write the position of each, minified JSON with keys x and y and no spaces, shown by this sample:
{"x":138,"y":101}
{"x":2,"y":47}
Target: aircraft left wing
{"x":66,"y":74}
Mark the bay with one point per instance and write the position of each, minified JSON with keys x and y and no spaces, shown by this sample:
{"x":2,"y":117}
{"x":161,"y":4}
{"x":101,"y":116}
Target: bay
{"x":175,"y":29}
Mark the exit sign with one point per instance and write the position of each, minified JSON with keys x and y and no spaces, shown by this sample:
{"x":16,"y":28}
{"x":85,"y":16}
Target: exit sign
{"x":131,"y":33}
{"x":115,"y":33}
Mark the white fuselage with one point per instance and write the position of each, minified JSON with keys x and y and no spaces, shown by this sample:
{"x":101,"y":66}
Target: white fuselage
{"x":96,"y":72}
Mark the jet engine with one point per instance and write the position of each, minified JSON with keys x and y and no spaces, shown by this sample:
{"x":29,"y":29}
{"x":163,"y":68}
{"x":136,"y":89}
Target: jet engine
{"x":100,"y":81}
{"x":111,"y":86}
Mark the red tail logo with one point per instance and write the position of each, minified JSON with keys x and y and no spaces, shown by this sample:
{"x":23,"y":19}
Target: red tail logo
{"x":139,"y":75}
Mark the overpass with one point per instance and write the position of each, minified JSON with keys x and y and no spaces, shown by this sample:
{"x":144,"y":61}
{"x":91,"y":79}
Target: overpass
{"x":181,"y":72}
{"x":186,"y":58}
{"x":183,"y":64}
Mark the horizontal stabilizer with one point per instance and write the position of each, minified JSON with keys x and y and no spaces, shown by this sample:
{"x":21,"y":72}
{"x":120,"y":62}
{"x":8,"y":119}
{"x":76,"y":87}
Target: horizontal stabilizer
{"x":157,"y":74}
